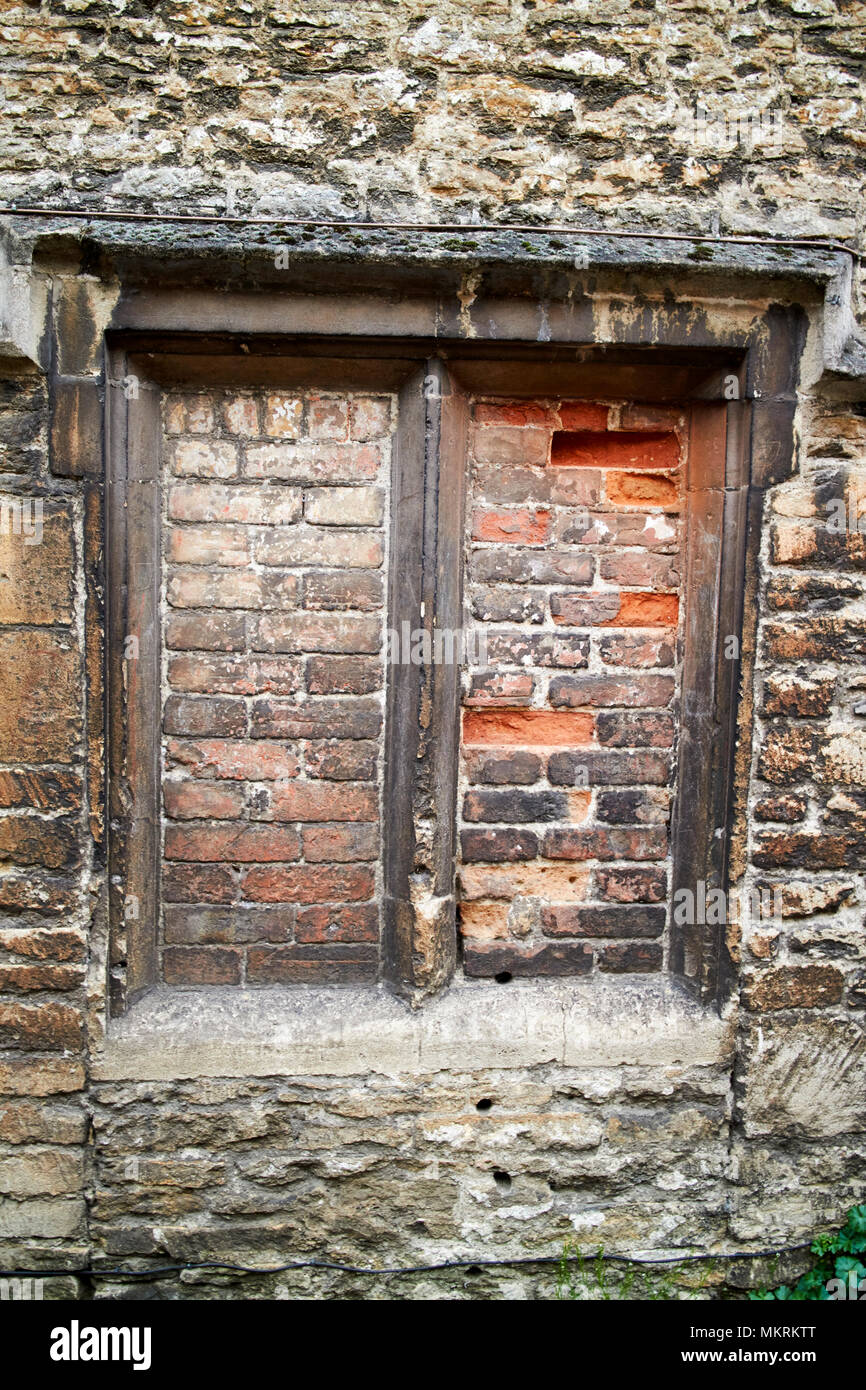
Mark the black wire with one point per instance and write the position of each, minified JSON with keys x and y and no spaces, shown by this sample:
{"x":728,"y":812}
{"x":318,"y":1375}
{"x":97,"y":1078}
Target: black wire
{"x":406,"y":1269}
{"x":548,"y":229}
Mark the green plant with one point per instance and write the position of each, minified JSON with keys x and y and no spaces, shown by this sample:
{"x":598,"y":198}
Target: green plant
{"x":840,"y":1254}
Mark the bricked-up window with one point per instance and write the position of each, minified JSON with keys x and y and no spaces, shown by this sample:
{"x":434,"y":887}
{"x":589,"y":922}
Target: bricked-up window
{"x":274,"y":546}
{"x":573,"y":570}
{"x":297,"y":793}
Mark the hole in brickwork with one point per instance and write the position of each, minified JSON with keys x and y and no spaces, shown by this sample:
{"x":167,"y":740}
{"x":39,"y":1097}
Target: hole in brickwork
{"x":501,"y":1178}
{"x":484,"y":1104}
{"x":473,"y":1269}
{"x":504,"y":977}
{"x":612,"y":449}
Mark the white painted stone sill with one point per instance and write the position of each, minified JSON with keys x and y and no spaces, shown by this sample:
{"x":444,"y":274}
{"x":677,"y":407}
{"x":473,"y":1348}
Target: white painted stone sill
{"x":350,"y":1031}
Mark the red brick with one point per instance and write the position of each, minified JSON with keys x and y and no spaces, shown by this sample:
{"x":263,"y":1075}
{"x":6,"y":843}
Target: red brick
{"x":241,"y":416}
{"x":211,"y":632}
{"x":319,"y":801}
{"x":202,"y":800}
{"x":514,"y":413}
{"x":341,"y":760}
{"x":562,"y":959}
{"x":314,"y":462}
{"x":633,"y":843}
{"x":185,"y":715}
{"x":507,"y":444}
{"x":233,"y":844}
{"x":249,"y":760}
{"x":340,"y":844}
{"x":283,"y":415}
{"x":582,"y":415}
{"x":615,"y":610}
{"x":312,"y":965}
{"x":495,"y":564}
{"x":498,"y":846}
{"x":201,"y":965}
{"x":605,"y":768}
{"x":309,"y":884}
{"x":197,"y":925}
{"x":631,"y":691}
{"x":649,"y":530}
{"x":315,"y":545}
{"x":370,"y":417}
{"x":537,"y":648}
{"x":328,"y":418}
{"x":504,"y":767}
{"x":195,"y":588}
{"x":634,"y":730}
{"x":205,"y":883}
{"x":527,"y":728}
{"x":498,"y":483}
{"x":317,"y":632}
{"x":642,"y":648}
{"x":360,"y":922}
{"x":503,"y":605}
{"x":640,"y":570}
{"x":500,"y":688}
{"x":631,"y":885}
{"x":630,"y":957}
{"x":520,"y":526}
{"x":319,"y":718}
{"x":205,"y":458}
{"x":625,"y":922}
{"x":360,"y":590}
{"x":235,"y":675}
{"x":344,"y":675}
{"x":208,"y":545}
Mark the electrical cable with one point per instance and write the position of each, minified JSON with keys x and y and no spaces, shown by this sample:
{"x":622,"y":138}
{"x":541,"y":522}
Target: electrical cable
{"x":468,"y":1263}
{"x":550,"y":229}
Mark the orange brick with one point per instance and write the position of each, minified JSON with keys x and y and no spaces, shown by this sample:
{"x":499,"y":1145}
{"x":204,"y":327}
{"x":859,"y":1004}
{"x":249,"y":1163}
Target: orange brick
{"x":639,"y":490}
{"x":646,"y":610}
{"x":498,"y":728}
{"x":521,"y":526}
{"x":484,"y":921}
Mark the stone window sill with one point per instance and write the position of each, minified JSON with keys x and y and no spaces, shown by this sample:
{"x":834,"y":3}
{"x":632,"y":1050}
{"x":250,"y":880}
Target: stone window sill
{"x":346,"y":1031}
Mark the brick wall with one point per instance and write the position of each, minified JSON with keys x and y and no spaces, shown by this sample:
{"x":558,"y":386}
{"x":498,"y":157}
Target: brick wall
{"x":274,"y":550}
{"x":572,"y":575}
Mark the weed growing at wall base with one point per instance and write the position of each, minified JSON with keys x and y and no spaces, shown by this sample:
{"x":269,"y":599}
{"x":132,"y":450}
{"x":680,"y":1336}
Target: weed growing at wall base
{"x":840,"y":1273}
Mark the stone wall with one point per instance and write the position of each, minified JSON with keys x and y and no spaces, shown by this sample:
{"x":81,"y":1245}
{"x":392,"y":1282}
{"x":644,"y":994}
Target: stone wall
{"x":500,"y":1125}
